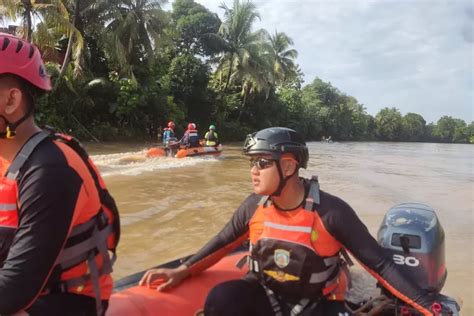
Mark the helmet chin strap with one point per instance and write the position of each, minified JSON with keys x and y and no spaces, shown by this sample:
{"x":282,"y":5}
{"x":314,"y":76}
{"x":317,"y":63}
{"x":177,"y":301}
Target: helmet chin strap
{"x":10,"y":130}
{"x":283,"y":180}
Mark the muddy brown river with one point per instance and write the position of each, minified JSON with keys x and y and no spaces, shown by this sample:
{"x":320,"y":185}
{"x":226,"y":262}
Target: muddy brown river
{"x":171,"y":207}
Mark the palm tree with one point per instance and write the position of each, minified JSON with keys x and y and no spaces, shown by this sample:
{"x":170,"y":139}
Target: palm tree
{"x":134,"y":28}
{"x":26,"y":10}
{"x":53,"y":22}
{"x":239,"y":44}
{"x":281,"y":57}
{"x":72,"y":18}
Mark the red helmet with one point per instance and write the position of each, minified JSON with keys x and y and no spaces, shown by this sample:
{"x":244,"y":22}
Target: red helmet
{"x":191,"y":126}
{"x":171,"y":124}
{"x":18,"y":57}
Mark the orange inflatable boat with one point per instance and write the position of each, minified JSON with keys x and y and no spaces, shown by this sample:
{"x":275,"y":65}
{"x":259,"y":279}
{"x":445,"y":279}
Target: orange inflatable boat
{"x":185,"y":152}
{"x":155,"y":152}
{"x":184,"y":300}
{"x":199,"y":151}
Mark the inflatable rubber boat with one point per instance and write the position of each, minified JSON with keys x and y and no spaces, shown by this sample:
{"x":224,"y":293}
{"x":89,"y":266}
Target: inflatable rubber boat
{"x":186,"y":299}
{"x":184,"y":152}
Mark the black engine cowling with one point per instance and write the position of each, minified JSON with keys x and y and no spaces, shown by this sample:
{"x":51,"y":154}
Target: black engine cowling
{"x":413,"y":235}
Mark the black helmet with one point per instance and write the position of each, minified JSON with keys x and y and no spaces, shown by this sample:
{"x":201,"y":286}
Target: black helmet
{"x":277,"y":141}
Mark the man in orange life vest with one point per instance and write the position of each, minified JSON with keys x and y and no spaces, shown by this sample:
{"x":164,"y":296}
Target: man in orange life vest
{"x":297,"y":234}
{"x":57,"y":220}
{"x":190,"y":138}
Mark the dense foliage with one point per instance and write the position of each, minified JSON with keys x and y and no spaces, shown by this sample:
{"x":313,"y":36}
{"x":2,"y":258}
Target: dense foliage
{"x":123,"y":68}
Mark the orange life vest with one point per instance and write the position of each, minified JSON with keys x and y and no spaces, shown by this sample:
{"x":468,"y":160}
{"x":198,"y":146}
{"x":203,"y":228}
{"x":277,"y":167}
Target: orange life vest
{"x":293,"y":254}
{"x":84,"y":265}
{"x":3,"y":165}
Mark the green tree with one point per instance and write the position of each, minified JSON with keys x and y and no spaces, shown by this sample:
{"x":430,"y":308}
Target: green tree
{"x":414,"y":127}
{"x":323,"y":93}
{"x":360,"y":121}
{"x":24,"y":9}
{"x":292,"y":99}
{"x":240,"y":46}
{"x":470,"y":132}
{"x":75,"y":39}
{"x":450,"y":129}
{"x":194,"y":25}
{"x":188,"y":79}
{"x":388,"y":124}
{"x":71,"y":31}
{"x":281,"y":57}
{"x":331,"y":108}
{"x":135,"y":28}
{"x":460,"y":132}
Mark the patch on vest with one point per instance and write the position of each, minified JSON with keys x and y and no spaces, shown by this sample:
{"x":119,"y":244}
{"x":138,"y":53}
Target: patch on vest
{"x":281,"y":276}
{"x":281,"y":258}
{"x":314,"y":235}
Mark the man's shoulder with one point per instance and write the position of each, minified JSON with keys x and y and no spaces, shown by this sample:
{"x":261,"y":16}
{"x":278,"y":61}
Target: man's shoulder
{"x":48,"y":155}
{"x":47,"y":171}
{"x":332,"y":204}
{"x":250,"y":203}
{"x":254,"y":199}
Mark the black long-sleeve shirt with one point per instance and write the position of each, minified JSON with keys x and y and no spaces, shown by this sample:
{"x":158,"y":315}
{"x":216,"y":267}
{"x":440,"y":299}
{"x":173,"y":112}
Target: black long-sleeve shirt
{"x":343,"y":224}
{"x":48,"y":192}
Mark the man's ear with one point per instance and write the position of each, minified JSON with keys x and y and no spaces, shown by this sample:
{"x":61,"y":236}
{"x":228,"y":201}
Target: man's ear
{"x":14,"y":98}
{"x":288,"y":166}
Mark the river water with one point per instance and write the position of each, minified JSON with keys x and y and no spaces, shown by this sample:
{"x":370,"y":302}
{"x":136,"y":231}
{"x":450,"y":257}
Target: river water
{"x":171,"y":207}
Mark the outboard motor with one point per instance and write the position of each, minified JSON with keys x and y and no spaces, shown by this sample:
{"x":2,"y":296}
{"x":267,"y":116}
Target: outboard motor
{"x":413,"y":235}
{"x":415,"y":238}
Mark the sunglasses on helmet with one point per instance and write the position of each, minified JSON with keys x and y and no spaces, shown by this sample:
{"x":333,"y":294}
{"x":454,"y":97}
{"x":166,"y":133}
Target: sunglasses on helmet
{"x":261,"y":163}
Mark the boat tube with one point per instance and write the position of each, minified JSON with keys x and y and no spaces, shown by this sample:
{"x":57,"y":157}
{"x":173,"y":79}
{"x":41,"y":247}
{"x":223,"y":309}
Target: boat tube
{"x":186,"y":299}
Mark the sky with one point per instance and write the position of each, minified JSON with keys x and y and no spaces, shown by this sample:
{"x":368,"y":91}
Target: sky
{"x":415,"y":55}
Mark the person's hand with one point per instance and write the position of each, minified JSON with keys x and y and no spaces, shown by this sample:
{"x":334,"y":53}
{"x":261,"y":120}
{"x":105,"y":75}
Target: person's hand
{"x":167,"y":277}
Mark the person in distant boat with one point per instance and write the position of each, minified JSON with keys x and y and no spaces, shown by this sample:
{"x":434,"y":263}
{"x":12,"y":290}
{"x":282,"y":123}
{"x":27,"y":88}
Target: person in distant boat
{"x":57,"y":220}
{"x":298,"y":239}
{"x":168,"y":133}
{"x":170,"y":142}
{"x":211,"y":137}
{"x":190,"y":138}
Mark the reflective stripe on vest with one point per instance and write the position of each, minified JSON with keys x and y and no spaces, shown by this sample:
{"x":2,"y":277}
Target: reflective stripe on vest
{"x":289,"y":228}
{"x":7,"y":207}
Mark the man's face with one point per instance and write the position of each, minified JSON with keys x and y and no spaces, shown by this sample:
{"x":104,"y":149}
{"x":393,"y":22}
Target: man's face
{"x":264,"y":174}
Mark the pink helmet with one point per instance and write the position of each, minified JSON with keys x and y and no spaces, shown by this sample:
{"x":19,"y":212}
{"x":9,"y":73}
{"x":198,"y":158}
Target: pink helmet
{"x":18,"y":57}
{"x":191,"y":126}
{"x":171,"y":124}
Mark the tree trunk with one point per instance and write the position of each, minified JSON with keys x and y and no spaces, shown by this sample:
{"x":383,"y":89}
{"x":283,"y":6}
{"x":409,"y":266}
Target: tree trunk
{"x":70,"y":42}
{"x":230,"y":71}
{"x":244,"y":101}
{"x":28,"y":26}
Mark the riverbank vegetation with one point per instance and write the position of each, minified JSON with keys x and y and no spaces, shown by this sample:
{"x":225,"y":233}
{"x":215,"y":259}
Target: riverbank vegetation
{"x":123,"y":68}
